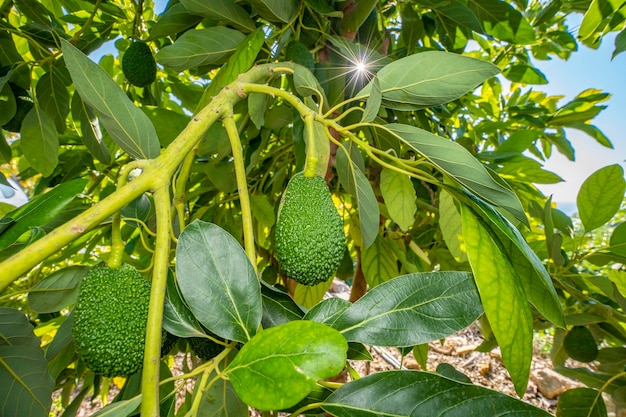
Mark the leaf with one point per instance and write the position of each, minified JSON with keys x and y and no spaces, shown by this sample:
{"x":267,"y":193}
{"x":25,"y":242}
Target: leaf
{"x":128,"y":126}
{"x":618,"y":239}
{"x":57,"y":291}
{"x":39,"y":141}
{"x":309,"y":295}
{"x":378,"y":262}
{"x":410,"y":310}
{"x":594,"y":132}
{"x":442,"y":77}
{"x":200,"y":47}
{"x":220,"y":400}
{"x":120,"y":408}
{"x":519,"y":141}
{"x":525,"y":74}
{"x":450,"y":371}
{"x":581,"y":402}
{"x":278,"y":307}
{"x":600,"y":196}
{"x":373,"y":102}
{"x":280,"y":366}
{"x":357,"y":184}
{"x":174,"y":20}
{"x":620,"y":44}
{"x":306,"y":84}
{"x":218,"y":282}
{"x":26,"y":388}
{"x":399,"y":195}
{"x":167,"y":123}
{"x":456,"y":161}
{"x":222,"y":11}
{"x":39,"y":211}
{"x":177,"y":318}
{"x":598,"y":11}
{"x":8,"y":105}
{"x":527,"y":169}
{"x":451,"y":226}
{"x":502,"y":297}
{"x":502,"y":21}
{"x":90,"y":129}
{"x":416,"y":394}
{"x":275,"y":10}
{"x":53,"y":97}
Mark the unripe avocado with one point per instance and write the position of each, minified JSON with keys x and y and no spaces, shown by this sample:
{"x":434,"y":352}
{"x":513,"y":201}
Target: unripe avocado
{"x":580,"y":344}
{"x":204,"y":348}
{"x":309,"y":237}
{"x":138,"y":64}
{"x":110,"y":320}
{"x":23,"y":103}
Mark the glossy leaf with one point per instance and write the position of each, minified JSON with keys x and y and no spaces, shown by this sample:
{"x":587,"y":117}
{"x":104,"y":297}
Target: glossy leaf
{"x":275,"y":10}
{"x":600,"y":196}
{"x":40,"y":210}
{"x":378,"y":262}
{"x":128,"y":126}
{"x":598,"y":11}
{"x":442,"y":77}
{"x":53,"y":97}
{"x":200,"y":47}
{"x":280,"y":366}
{"x":40,"y":141}
{"x":416,"y":394}
{"x":221,"y":10}
{"x":26,"y":388}
{"x":502,"y":21}
{"x":218,"y":282}
{"x":173,"y":20}
{"x":399,"y":195}
{"x":177,"y":317}
{"x":456,"y":161}
{"x":57,"y":291}
{"x":502,"y":296}
{"x":356,"y":183}
{"x":410,"y":310}
{"x":278,"y":307}
{"x":581,"y":402}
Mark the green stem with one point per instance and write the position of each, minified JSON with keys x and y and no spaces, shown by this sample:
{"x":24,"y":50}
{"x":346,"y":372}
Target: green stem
{"x":242,"y":185}
{"x":152,"y":353}
{"x":310,"y":165}
{"x":180,"y":186}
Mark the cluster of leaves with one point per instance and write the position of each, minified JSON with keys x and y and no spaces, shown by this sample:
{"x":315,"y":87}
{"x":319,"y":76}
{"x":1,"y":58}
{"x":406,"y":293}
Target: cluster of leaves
{"x":435,"y":182}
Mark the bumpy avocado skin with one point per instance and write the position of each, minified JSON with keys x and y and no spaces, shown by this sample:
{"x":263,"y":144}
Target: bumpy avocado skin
{"x":138,"y":64}
{"x":309,"y":237}
{"x":110,"y":319}
{"x":205,"y":349}
{"x":24,"y":104}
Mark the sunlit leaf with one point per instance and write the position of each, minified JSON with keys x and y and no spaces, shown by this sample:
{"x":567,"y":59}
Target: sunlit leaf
{"x":280,"y":366}
{"x":600,"y":196}
{"x":40,"y":141}
{"x":399,"y":195}
{"x":581,"y":402}
{"x":221,"y":10}
{"x":525,"y":74}
{"x":173,"y":20}
{"x":378,"y":262}
{"x":53,"y":97}
{"x":502,"y":21}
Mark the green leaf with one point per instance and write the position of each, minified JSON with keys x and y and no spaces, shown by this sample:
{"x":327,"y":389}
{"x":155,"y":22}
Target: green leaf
{"x":525,"y":74}
{"x":416,"y":394}
{"x":53,"y":97}
{"x":39,"y":141}
{"x":410,"y":310}
{"x":218,"y":282}
{"x":373,"y":103}
{"x":594,"y":132}
{"x":309,"y":295}
{"x":449,"y":371}
{"x":451,"y":226}
{"x":222,"y":11}
{"x":442,"y":77}
{"x":174,"y":20}
{"x":502,"y":296}
{"x":600,"y":196}
{"x":57,"y":291}
{"x":275,"y":10}
{"x":128,"y":126}
{"x":598,"y":11}
{"x":457,"y":13}
{"x":306,"y":84}
{"x":502,"y":21}
{"x":8,"y":105}
{"x":620,"y":44}
{"x":581,"y":402}
{"x":167,"y":123}
{"x":526,"y":169}
{"x":278,"y":307}
{"x":618,"y":239}
{"x":200,"y":47}
{"x":399,"y":195}
{"x":39,"y":211}
{"x":456,"y":161}
{"x":357,"y":184}
{"x":378,"y":262}
{"x":177,"y":318}
{"x":120,"y":408}
{"x":90,"y":129}
{"x":280,"y":366}
{"x":220,"y":400}
{"x":26,"y":388}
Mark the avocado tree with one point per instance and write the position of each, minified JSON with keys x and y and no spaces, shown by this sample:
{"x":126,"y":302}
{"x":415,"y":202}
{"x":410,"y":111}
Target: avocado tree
{"x":239,"y":155}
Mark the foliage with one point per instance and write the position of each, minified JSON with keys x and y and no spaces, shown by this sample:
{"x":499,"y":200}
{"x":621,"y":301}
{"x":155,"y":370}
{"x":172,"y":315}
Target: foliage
{"x":432,"y":166}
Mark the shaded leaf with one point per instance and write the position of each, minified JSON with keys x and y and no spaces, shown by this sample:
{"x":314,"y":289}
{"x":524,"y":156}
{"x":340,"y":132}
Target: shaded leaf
{"x":167,"y":123}
{"x":373,"y":103}
{"x":581,"y":402}
{"x":26,"y":388}
{"x":502,"y":297}
{"x":39,"y":141}
{"x":57,"y":291}
{"x":90,"y":129}
{"x":410,"y":310}
{"x":278,"y":307}
{"x":456,"y":161}
{"x":173,"y":20}
{"x":399,"y":195}
{"x":525,"y":74}
{"x":600,"y":196}
{"x":275,"y":10}
{"x":280,"y":366}
{"x":620,"y":44}
{"x":416,"y":394}
{"x":378,"y":262}
{"x":218,"y":282}
{"x":177,"y":317}
{"x":200,"y":47}
{"x":53,"y":97}
{"x":128,"y":126}
{"x":221,"y":10}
